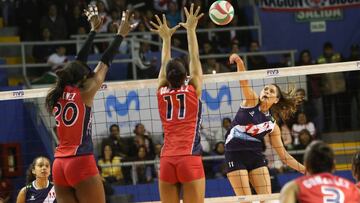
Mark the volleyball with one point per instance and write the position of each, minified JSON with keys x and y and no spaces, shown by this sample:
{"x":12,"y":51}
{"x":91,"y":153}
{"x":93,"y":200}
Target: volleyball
{"x":221,"y":12}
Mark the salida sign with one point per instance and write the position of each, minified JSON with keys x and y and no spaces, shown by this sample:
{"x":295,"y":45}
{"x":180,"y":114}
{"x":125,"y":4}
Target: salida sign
{"x":301,"y":5}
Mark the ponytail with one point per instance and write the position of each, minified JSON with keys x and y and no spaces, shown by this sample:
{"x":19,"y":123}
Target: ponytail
{"x":286,"y":106}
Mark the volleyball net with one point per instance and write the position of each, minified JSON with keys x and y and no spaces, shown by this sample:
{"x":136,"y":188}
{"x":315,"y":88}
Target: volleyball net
{"x":332,"y":105}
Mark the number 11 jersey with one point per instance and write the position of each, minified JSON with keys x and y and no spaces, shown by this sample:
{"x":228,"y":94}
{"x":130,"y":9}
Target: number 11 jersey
{"x":180,"y":112}
{"x":73,"y":121}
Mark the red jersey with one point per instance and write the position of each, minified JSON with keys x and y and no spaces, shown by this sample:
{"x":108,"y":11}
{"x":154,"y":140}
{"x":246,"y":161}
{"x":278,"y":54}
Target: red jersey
{"x":358,"y":185}
{"x":73,"y":121}
{"x":325,"y":187}
{"x":180,"y":113}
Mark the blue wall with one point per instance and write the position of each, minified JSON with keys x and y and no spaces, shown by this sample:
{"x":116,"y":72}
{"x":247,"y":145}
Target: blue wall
{"x":281,"y":31}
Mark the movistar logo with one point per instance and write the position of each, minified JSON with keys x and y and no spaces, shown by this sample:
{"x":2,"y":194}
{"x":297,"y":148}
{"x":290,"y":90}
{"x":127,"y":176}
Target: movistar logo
{"x":121,"y":109}
{"x":215,"y":103}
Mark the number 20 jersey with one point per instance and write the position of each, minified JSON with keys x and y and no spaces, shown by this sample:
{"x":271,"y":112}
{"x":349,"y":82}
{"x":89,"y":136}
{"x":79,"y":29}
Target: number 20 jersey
{"x":73,"y":121}
{"x":180,"y":112}
{"x":327,"y":188}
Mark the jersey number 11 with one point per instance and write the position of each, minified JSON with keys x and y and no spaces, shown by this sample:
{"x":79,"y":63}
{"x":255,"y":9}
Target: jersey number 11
{"x":169,"y":110}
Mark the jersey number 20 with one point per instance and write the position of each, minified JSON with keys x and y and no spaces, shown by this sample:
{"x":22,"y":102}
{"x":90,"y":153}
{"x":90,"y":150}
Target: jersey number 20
{"x":169,"y":110}
{"x":65,"y":115}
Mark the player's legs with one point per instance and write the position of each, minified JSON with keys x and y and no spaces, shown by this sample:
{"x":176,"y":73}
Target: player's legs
{"x":194,"y":191}
{"x":239,"y":181}
{"x":65,"y":194}
{"x":90,"y":190}
{"x":260,"y":180}
{"x":169,"y":193}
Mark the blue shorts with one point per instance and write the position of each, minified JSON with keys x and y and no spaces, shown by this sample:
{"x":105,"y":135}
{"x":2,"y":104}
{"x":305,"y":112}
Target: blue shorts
{"x":244,"y":160}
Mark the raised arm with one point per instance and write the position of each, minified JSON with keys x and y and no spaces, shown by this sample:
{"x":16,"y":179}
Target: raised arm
{"x":196,"y":73}
{"x":251,"y":98}
{"x":165,"y":33}
{"x":276,"y":143}
{"x":92,"y":85}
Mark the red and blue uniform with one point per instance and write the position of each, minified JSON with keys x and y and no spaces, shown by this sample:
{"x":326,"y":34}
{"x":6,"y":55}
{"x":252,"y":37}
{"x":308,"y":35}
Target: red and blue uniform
{"x":180,"y":112}
{"x":73,"y":121}
{"x":325,"y":187}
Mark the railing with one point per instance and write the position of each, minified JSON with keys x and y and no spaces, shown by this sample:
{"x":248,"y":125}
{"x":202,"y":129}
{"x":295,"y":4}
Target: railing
{"x":133,"y":164}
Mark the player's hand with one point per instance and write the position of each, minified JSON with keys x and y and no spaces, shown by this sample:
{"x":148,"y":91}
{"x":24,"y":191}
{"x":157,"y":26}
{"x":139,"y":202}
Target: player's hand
{"x":93,"y":17}
{"x":162,"y":29}
{"x":192,"y":17}
{"x":125,"y":25}
{"x":234,"y":58}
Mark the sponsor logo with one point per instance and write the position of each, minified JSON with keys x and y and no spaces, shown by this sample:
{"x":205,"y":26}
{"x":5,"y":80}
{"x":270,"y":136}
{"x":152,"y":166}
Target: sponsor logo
{"x":252,"y":113}
{"x":19,"y":93}
{"x":272,"y":72}
{"x":121,"y":108}
{"x":214,"y":103}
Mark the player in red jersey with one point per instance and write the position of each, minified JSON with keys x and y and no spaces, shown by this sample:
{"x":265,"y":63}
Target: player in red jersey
{"x":75,"y":174}
{"x":180,"y":112}
{"x":356,"y":168}
{"x":320,"y":185}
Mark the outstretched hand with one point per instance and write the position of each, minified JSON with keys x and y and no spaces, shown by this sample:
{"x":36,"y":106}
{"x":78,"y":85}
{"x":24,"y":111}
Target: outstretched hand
{"x":192,"y":17}
{"x":93,"y":17}
{"x":125,"y":25}
{"x":162,"y":29}
{"x":235,"y":58}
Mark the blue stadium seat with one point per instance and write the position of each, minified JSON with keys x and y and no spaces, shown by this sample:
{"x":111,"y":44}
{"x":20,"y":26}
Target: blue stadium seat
{"x":3,"y":74}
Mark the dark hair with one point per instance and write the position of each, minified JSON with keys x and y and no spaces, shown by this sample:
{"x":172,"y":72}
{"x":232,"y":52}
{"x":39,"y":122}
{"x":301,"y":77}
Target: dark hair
{"x":226,"y":119}
{"x":328,"y":45}
{"x":175,"y":73}
{"x":319,"y":157}
{"x":30,"y":177}
{"x":71,"y":74}
{"x":103,"y":154}
{"x":356,"y":166}
{"x":286,"y":105}
{"x":114,"y":125}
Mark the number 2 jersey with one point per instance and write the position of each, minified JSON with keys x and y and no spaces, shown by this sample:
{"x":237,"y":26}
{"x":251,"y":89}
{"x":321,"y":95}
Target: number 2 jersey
{"x":73,"y":121}
{"x":180,"y":112}
{"x":325,"y":187}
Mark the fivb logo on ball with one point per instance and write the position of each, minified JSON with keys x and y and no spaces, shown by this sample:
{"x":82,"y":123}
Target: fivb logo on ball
{"x":221,"y":12}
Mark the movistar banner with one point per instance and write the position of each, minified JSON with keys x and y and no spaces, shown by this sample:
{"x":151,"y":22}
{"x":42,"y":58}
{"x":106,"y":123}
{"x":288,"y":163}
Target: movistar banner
{"x":298,"y":5}
{"x":127,"y":108}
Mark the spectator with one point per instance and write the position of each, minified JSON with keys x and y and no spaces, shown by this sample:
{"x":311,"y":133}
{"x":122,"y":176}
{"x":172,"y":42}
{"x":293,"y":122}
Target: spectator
{"x":314,"y":91}
{"x":145,"y":173}
{"x":305,"y":139}
{"x":42,"y":52}
{"x":303,"y":106}
{"x":6,"y":188}
{"x":112,"y":174}
{"x":212,"y":66}
{"x":28,"y":17}
{"x":103,"y":14}
{"x":352,"y":87}
{"x":256,"y":61}
{"x":57,"y":59}
{"x":173,"y":15}
{"x":117,"y":143}
{"x":140,"y":132}
{"x":119,"y":5}
{"x":55,"y":23}
{"x":146,"y":67}
{"x":75,"y":19}
{"x":162,"y":6}
{"x":285,"y":135}
{"x":302,"y":124}
{"x":334,"y":91}
{"x":205,"y":139}
{"x":219,"y":166}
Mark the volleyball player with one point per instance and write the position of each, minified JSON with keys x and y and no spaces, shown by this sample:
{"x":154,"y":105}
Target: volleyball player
{"x":245,"y":140}
{"x":76,"y":176}
{"x":356,"y":168}
{"x":38,"y":187}
{"x":180,"y":112}
{"x":319,"y":185}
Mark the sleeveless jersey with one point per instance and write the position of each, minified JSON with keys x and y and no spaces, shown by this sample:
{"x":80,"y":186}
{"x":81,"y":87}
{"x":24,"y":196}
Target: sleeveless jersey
{"x":180,"y":112}
{"x":73,"y":121}
{"x":248,"y":129}
{"x":45,"y":195}
{"x":325,"y":187}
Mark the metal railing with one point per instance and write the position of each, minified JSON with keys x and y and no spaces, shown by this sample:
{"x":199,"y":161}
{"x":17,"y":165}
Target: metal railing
{"x":134,"y":164}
